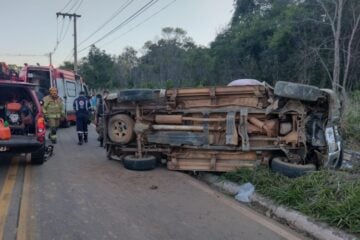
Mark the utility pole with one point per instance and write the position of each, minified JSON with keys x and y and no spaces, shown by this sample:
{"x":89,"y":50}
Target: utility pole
{"x":50,"y":58}
{"x":73,"y":15}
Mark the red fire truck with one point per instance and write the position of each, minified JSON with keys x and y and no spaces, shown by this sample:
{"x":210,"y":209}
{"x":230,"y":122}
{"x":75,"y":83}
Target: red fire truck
{"x":69,"y":85}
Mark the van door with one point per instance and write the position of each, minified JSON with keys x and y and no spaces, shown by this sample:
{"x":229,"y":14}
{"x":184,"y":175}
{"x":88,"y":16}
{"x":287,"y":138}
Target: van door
{"x":71,"y":93}
{"x":60,"y":85}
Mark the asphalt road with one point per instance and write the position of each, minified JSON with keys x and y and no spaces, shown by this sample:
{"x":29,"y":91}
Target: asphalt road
{"x":79,"y":194}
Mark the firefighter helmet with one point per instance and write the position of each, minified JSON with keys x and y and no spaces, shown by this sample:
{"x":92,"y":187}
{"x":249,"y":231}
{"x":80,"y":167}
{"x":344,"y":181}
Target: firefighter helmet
{"x":53,"y":91}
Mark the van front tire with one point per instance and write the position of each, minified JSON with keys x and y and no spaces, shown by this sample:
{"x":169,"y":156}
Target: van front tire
{"x":291,"y":170}
{"x":132,"y":162}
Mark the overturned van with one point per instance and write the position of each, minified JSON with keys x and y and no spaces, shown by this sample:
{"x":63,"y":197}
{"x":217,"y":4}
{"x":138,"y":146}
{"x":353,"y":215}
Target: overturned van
{"x":292,"y":127}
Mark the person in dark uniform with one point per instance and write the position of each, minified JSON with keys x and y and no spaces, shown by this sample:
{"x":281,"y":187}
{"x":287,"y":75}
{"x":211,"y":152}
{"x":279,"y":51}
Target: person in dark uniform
{"x":82,"y":107}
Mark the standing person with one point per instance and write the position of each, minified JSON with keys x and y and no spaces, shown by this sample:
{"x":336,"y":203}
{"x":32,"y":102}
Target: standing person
{"x":53,"y":110}
{"x":99,"y":118}
{"x":105,"y":94}
{"x":93,"y":100}
{"x":82,"y":107}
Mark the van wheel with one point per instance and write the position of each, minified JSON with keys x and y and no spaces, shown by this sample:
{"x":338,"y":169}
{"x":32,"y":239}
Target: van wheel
{"x":137,"y":95}
{"x":147,"y":162}
{"x":297,"y":91}
{"x":291,"y":170}
{"x":121,"y":128}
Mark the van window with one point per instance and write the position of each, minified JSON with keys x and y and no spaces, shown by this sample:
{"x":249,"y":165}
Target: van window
{"x":41,"y":79}
{"x":71,"y":89}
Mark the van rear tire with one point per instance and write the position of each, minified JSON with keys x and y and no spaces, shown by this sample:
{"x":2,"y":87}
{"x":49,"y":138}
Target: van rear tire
{"x":297,"y":91}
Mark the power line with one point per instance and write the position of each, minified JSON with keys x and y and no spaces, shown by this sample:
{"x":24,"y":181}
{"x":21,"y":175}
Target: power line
{"x":69,"y":56}
{"x":126,"y":21}
{"x":62,"y":36}
{"x":77,"y":8}
{"x":67,"y":4}
{"x":117,"y":12}
{"x":73,"y":6}
{"x":145,"y":20}
{"x":22,"y":55}
{"x":62,"y":29}
{"x":57,"y":30}
{"x":66,"y":31}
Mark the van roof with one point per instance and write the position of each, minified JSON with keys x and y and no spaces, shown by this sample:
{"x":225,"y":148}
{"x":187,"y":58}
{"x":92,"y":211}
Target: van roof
{"x":15,"y":83}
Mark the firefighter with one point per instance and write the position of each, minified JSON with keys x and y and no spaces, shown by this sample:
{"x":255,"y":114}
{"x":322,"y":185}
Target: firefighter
{"x":82,"y":107}
{"x":53,"y":110}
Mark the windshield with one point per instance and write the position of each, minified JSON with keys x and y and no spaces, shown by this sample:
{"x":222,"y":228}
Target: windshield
{"x":42,"y":79}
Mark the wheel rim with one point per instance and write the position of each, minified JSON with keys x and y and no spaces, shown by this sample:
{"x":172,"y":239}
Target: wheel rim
{"x":120,"y":130}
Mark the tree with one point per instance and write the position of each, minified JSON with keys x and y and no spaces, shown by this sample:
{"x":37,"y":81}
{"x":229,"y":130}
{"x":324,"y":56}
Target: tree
{"x":307,"y":41}
{"x":124,"y":68}
{"x":67,"y":65}
{"x":97,"y":69}
{"x":342,"y":17}
{"x":164,"y":61}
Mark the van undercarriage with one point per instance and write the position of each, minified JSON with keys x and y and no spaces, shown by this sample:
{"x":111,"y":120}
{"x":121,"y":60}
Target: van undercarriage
{"x":224,"y":128}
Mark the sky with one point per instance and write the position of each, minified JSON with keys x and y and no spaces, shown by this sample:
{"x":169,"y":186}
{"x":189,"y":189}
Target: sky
{"x":30,"y":28}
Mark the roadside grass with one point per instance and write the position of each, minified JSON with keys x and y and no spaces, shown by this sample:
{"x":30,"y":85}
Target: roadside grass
{"x":328,"y":196}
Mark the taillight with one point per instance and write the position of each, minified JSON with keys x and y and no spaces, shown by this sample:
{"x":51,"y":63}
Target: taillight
{"x":41,"y":129}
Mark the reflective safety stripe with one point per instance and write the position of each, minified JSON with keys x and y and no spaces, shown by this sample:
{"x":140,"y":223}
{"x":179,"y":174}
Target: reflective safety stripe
{"x":53,"y":115}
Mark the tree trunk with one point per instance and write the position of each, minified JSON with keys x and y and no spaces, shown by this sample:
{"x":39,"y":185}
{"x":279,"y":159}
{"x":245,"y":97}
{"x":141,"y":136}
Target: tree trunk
{"x":336,"y":71}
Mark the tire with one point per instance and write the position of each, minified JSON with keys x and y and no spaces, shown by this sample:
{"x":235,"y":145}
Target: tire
{"x":290,"y":170}
{"x":38,"y":157}
{"x":139,"y":164}
{"x":137,"y":95}
{"x":297,"y":91}
{"x":121,"y":129}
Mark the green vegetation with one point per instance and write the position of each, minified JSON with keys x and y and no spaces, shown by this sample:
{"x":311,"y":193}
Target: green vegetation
{"x":331,"y":197}
{"x":351,"y":122}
